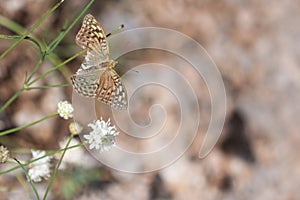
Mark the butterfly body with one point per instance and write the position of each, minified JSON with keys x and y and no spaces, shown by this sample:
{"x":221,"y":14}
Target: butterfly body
{"x":96,"y":76}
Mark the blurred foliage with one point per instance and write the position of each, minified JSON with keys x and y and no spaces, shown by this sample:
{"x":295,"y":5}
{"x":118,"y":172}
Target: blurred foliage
{"x":73,"y":181}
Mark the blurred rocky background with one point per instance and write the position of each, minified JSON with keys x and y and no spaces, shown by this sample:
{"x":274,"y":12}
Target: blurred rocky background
{"x":256,"y":46}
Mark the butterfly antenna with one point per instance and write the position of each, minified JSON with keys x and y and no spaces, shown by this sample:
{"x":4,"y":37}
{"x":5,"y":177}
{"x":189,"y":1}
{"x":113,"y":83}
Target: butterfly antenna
{"x":116,"y":30}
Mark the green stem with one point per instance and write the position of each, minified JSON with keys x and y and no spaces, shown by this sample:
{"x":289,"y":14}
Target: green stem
{"x":57,"y":41}
{"x":45,"y":16}
{"x":31,"y":183}
{"x":18,"y":28}
{"x":27,"y":125}
{"x":11,"y":99}
{"x":36,"y":68}
{"x":11,"y":25}
{"x":56,"y":67}
{"x":14,"y":37}
{"x":50,"y":153}
{"x":56,"y":168}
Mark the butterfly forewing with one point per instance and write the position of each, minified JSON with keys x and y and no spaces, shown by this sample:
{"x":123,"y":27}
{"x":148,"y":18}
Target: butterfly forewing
{"x":92,"y":37}
{"x":111,"y":90}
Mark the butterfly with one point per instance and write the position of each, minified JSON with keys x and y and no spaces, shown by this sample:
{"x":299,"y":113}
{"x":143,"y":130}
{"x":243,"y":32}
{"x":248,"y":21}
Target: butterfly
{"x":96,"y":76}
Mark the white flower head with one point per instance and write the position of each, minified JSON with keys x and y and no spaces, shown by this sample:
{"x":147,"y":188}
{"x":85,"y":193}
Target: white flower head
{"x":65,"y":109}
{"x":103,"y":135}
{"x":4,"y":154}
{"x":40,"y":168}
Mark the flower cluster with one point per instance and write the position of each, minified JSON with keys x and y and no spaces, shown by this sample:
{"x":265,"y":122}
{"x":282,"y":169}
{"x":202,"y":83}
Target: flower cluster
{"x":65,"y":109}
{"x":103,"y":135}
{"x":4,"y":154}
{"x":39,"y":168}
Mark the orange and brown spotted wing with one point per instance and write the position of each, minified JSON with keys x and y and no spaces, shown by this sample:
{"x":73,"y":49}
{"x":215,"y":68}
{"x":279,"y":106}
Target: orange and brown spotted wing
{"x":92,"y":37}
{"x":111,"y":90}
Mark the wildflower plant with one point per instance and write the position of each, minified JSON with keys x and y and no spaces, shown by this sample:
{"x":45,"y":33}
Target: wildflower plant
{"x":42,"y":166}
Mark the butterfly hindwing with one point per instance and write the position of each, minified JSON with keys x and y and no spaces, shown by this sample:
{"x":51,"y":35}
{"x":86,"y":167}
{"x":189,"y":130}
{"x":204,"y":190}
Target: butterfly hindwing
{"x":86,"y":83}
{"x":111,"y":90}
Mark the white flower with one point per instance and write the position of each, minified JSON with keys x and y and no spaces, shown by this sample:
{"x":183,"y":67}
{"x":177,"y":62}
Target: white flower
{"x":65,"y":109}
{"x":103,"y":135}
{"x":40,"y":168}
{"x":4,"y":154}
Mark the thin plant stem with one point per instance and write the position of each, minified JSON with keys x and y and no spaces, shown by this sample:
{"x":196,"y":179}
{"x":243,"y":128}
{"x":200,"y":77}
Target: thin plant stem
{"x":27,"y":85}
{"x":18,"y":28}
{"x":27,"y":125}
{"x":11,"y":99}
{"x":56,"y":168}
{"x":56,"y":42}
{"x":36,"y":68}
{"x":56,"y":67}
{"x":11,"y":25}
{"x":14,"y":37}
{"x":50,"y":153}
{"x":31,"y":183}
{"x":42,"y":19}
